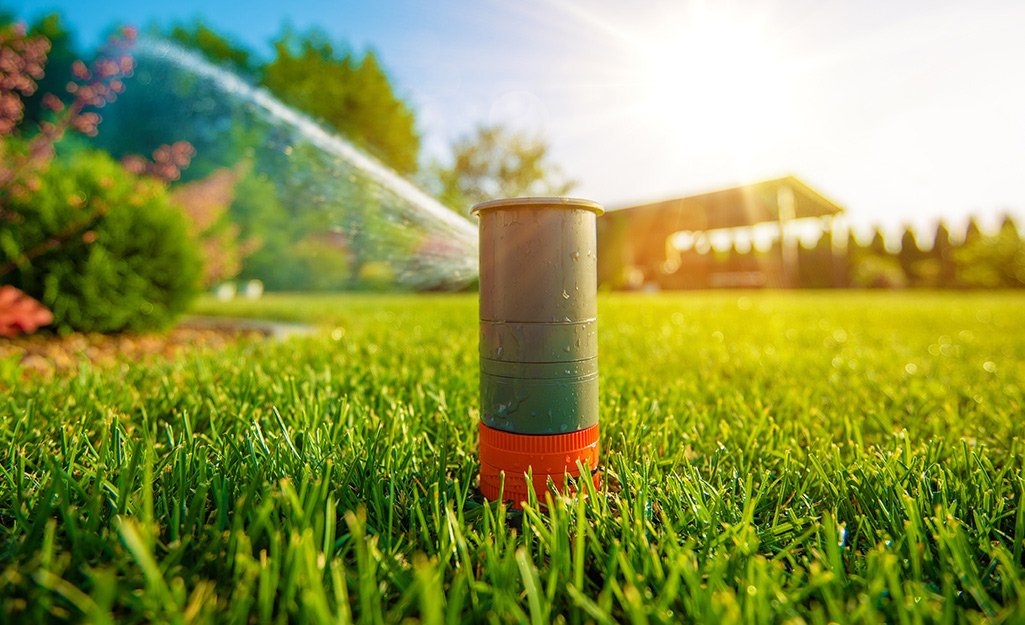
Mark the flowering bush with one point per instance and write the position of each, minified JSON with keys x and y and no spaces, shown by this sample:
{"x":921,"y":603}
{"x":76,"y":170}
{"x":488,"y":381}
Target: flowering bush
{"x":205,"y":203}
{"x":109,"y":250}
{"x":102,"y":247}
{"x":167,"y":164}
{"x":21,"y":64}
{"x":22,"y":60}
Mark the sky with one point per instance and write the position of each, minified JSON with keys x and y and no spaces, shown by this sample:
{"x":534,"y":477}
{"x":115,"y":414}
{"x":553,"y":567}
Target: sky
{"x":903,"y":112}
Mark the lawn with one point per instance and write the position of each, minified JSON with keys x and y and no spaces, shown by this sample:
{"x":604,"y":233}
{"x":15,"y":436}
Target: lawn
{"x":766,"y":458}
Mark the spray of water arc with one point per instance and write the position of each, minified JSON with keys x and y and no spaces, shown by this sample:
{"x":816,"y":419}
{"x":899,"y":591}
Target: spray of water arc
{"x":385,"y":225}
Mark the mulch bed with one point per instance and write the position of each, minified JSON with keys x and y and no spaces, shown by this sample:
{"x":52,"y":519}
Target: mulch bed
{"x":46,"y":354}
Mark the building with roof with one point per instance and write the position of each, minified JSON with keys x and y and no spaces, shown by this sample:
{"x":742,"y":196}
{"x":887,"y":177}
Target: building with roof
{"x":746,"y":236}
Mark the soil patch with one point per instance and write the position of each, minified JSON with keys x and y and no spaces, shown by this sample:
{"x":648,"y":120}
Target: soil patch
{"x":48,"y":354}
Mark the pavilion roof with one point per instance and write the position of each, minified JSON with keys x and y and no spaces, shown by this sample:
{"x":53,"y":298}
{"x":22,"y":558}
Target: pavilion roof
{"x":745,"y":205}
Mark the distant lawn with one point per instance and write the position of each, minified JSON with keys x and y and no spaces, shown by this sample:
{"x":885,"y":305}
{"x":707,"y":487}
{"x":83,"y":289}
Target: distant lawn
{"x":767,"y":458}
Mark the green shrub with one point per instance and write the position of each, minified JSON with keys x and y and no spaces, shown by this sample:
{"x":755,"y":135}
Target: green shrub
{"x":878,"y":272}
{"x":119,"y":256}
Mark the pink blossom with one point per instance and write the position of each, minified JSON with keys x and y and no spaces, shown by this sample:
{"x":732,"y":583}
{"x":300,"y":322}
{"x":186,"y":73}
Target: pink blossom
{"x":53,"y":103}
{"x":80,"y":71}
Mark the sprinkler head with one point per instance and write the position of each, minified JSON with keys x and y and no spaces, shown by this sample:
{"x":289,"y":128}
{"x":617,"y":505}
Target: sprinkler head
{"x":538,"y":343}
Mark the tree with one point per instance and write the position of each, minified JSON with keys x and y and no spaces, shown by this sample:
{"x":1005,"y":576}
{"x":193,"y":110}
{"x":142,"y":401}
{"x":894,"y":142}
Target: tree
{"x":815,"y":266}
{"x":166,"y":103}
{"x":973,"y":233}
{"x":874,"y":266}
{"x":878,"y":244}
{"x":996,"y":261}
{"x":214,"y":46}
{"x":354,"y":95}
{"x":910,"y":254}
{"x":942,"y":256}
{"x":496,"y":162}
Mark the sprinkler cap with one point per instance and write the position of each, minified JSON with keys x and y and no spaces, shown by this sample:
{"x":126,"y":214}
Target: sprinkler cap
{"x":538,"y":203}
{"x":553,"y":456}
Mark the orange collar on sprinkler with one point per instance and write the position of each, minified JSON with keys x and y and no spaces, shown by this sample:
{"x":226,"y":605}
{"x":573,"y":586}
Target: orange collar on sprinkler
{"x":538,"y":343}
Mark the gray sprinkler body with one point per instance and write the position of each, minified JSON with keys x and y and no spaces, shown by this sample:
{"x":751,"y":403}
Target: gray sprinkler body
{"x":538,"y":315}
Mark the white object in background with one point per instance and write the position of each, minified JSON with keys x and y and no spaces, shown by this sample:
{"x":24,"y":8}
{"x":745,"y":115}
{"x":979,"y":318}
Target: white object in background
{"x":254,"y":289}
{"x":225,"y":291}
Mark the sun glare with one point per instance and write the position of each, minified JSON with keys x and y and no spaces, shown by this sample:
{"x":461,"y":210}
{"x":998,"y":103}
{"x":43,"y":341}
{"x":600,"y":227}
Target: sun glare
{"x":712,"y":78}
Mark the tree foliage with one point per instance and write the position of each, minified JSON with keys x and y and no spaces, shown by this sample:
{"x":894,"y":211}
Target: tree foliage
{"x":214,"y":46}
{"x":351,"y":94}
{"x":496,"y":162}
{"x":996,"y":261}
{"x":980,"y":260}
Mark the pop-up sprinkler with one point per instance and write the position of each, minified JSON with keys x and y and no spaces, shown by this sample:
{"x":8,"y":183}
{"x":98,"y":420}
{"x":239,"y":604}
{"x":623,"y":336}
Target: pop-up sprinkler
{"x":538,"y":343}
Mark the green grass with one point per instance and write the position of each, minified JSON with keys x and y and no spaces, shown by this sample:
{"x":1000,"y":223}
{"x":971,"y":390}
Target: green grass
{"x":768,"y":458}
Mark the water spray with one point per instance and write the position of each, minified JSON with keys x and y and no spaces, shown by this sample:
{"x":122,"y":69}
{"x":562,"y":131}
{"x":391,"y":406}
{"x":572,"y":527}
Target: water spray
{"x":538,"y":343}
{"x":366,"y":211}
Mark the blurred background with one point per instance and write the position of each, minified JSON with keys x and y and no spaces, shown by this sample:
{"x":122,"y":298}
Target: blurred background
{"x":154,"y":151}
